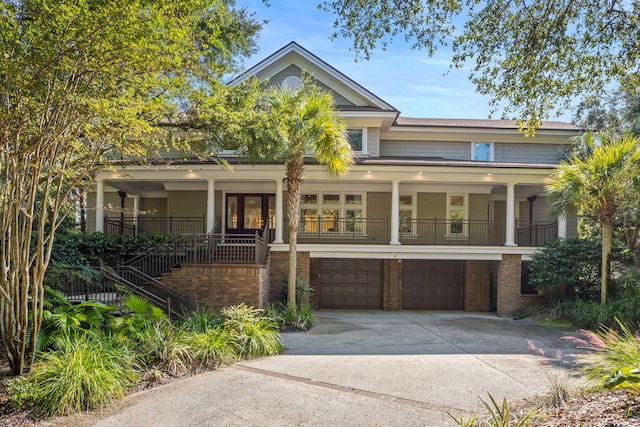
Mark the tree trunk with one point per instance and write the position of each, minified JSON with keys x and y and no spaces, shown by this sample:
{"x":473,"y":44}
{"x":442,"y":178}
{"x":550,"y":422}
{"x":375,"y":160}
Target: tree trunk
{"x":607,"y":241}
{"x":295,"y":169}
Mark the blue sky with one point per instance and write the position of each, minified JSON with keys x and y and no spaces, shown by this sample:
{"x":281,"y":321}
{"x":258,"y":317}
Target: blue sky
{"x":409,"y":80}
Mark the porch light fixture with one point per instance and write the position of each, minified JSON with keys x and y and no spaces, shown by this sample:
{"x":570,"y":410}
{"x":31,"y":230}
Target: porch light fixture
{"x":419,"y":172}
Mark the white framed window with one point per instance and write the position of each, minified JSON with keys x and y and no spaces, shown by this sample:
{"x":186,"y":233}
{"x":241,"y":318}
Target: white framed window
{"x":482,"y":151}
{"x":357,"y":139}
{"x":457,"y":214}
{"x":407,"y":208}
{"x":332,"y":213}
{"x":292,"y":83}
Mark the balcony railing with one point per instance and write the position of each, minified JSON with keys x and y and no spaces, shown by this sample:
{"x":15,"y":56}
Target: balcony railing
{"x":437,"y":232}
{"x":536,"y":233}
{"x":151,"y":224}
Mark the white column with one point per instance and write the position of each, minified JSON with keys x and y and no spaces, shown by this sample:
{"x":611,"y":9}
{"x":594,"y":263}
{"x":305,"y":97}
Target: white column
{"x":511,"y":216}
{"x":279,"y":211}
{"x":100,"y":205}
{"x":211,"y":204}
{"x":395,"y":212}
{"x":562,"y":226}
{"x":136,"y":208}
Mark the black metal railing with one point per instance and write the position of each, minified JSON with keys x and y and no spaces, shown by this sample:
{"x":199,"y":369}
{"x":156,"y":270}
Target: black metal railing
{"x":151,"y":224}
{"x":536,"y":233}
{"x":201,"y":249}
{"x":342,"y":230}
{"x":442,"y":232}
{"x":435,"y":231}
{"x":106,"y":286}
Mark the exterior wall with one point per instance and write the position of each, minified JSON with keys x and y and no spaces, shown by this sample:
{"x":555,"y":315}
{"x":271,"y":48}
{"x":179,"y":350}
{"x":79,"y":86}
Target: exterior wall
{"x":392,"y":285}
{"x":293,"y":70}
{"x":445,"y":150}
{"x":510,"y":300}
{"x":187,"y":203}
{"x":379,"y":207}
{"x":279,"y":270}
{"x":477,"y":287}
{"x":373,"y":142}
{"x":432,"y":205}
{"x":218,"y":286}
{"x":527,"y":153}
{"x":153,"y":206}
{"x":479,"y":207}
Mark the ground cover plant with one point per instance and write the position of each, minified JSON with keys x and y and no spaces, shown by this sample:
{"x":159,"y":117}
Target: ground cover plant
{"x":91,"y":354}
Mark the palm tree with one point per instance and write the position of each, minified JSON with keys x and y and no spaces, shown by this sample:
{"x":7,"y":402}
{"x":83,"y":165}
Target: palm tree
{"x":597,"y":185}
{"x":301,"y":121}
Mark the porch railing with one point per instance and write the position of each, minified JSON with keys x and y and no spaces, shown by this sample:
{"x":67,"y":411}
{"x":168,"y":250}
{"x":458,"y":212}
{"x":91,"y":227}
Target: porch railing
{"x":433,"y":231}
{"x":536,"y":233}
{"x":201,"y":249}
{"x":442,"y":232}
{"x":151,"y":224}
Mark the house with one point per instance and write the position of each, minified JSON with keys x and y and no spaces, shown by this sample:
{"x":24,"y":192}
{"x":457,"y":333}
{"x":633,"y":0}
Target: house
{"x":437,"y":214}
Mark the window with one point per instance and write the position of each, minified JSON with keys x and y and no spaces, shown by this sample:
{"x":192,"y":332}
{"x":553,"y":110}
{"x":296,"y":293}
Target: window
{"x":358,"y":139}
{"x":340,"y":213}
{"x":457,"y":214}
{"x":292,"y":83}
{"x":482,"y":151}
{"x":407,"y":213}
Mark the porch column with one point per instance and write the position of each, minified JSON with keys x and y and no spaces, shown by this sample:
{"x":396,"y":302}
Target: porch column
{"x":395,"y":213}
{"x":99,"y":205}
{"x":562,"y":226}
{"x":511,"y":215}
{"x":211,"y":201}
{"x":136,"y":208}
{"x":279,"y":211}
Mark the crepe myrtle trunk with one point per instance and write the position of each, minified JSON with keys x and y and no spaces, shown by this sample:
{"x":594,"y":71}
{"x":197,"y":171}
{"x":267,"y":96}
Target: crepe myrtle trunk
{"x":294,"y":171}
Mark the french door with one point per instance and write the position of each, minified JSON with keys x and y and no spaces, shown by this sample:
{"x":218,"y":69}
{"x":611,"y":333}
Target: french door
{"x":247,"y":213}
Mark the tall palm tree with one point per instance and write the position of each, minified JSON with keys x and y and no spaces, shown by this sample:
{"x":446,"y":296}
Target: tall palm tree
{"x":299,"y":122}
{"x":596,"y":185}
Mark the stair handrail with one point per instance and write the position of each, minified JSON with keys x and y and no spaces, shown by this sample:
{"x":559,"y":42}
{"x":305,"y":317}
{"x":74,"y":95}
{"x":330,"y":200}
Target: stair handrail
{"x":145,"y":278}
{"x":137,"y":290}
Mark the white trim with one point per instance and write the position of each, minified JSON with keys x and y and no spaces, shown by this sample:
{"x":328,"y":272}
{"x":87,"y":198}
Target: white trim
{"x":363,"y":142}
{"x":465,"y":209}
{"x":488,"y":253}
{"x":491,"y":151}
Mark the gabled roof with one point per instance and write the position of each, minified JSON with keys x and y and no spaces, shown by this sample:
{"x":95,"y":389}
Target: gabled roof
{"x":480,"y":123}
{"x":295,"y":54}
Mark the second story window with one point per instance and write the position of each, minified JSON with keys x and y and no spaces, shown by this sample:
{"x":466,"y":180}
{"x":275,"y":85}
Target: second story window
{"x":357,"y":139}
{"x":482,"y":151}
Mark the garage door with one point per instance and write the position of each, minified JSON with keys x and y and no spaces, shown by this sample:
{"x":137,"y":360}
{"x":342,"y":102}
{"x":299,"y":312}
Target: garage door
{"x":432,"y":285}
{"x":350,"y":283}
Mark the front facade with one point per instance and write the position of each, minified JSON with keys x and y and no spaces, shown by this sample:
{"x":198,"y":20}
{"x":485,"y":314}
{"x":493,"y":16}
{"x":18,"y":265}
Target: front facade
{"x":437,"y":214}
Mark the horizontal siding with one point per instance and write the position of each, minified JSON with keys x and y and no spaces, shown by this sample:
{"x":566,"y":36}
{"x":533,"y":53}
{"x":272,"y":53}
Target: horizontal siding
{"x":445,"y":150}
{"x":373,"y":142}
{"x":527,"y":153}
{"x":293,"y":70}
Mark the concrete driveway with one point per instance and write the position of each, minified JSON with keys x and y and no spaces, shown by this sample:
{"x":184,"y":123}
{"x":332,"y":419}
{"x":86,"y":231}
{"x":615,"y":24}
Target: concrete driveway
{"x":366,"y":369}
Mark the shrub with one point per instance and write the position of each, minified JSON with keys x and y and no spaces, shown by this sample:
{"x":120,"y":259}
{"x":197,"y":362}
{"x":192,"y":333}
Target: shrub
{"x":82,"y":373}
{"x":303,"y":290}
{"x":213,"y":346}
{"x":575,"y":263}
{"x":257,"y":335}
{"x":613,"y":358}
{"x":288,"y":317}
{"x":201,"y":320}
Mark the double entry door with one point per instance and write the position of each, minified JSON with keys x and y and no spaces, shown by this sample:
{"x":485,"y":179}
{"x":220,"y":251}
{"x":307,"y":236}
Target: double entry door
{"x":248,"y":213}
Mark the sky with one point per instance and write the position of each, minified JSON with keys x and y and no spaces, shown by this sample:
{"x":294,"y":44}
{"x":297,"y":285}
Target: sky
{"x":410,"y":80}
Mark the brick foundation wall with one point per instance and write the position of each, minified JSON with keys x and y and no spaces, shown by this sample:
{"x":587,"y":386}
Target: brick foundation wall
{"x":279,"y":268}
{"x":477,"y":285}
{"x":218,"y":286}
{"x":509,"y":298}
{"x":392,"y":285}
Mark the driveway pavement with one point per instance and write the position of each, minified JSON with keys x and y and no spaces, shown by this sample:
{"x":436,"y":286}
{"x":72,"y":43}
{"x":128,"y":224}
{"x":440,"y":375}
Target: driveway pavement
{"x":365,"y":369}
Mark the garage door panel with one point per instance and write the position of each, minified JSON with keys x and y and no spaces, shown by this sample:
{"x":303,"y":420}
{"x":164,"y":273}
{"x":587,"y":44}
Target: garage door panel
{"x":432,"y":285}
{"x":350,"y":283}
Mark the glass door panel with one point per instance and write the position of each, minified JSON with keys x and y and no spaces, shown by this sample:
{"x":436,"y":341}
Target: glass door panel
{"x":252,"y":213}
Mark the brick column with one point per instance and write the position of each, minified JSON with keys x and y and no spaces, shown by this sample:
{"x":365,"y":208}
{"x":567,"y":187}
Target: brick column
{"x":477,"y":285}
{"x":392,"y":285}
{"x":509,"y":299}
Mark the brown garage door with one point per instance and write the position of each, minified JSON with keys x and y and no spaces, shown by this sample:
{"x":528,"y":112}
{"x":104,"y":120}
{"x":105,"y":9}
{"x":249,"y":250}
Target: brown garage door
{"x":350,"y":283}
{"x":432,"y":285}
